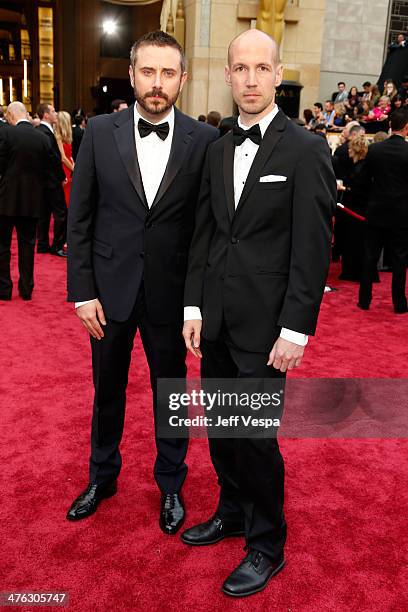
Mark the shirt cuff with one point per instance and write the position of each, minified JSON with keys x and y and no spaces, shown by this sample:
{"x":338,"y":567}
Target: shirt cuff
{"x":192,"y":313}
{"x":292,"y":336}
{"x":78,"y":304}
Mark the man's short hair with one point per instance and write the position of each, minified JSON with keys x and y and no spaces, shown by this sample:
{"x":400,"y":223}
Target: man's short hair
{"x":399,"y":119}
{"x":157,"y":39}
{"x":214,"y":118}
{"x":319,"y":105}
{"x":355,"y":129}
{"x":341,"y":83}
{"x":321,"y":127}
{"x":43,"y":109}
{"x":116,"y":103}
{"x":367,"y":84}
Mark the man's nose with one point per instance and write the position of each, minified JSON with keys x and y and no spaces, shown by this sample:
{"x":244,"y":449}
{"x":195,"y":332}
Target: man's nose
{"x":251,"y":80}
{"x":157,"y":80}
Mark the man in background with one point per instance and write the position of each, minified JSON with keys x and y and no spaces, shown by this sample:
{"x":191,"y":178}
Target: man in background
{"x":77,"y":134}
{"x":25,"y":160}
{"x":387,"y":212}
{"x":54,"y":193}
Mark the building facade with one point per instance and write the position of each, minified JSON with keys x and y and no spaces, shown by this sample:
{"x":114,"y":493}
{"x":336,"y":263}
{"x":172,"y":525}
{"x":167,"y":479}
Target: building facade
{"x":75,"y":52}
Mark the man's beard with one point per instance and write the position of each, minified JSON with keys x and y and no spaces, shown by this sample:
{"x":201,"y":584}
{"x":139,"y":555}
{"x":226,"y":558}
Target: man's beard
{"x":158,"y":107}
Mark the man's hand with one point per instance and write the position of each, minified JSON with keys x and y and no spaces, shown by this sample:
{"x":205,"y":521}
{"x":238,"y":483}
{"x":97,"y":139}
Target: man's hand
{"x":91,"y":316}
{"x":285,"y":355}
{"x":191,"y":335}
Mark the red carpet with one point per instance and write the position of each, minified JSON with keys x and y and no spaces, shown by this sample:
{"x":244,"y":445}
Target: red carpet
{"x":347,"y":500}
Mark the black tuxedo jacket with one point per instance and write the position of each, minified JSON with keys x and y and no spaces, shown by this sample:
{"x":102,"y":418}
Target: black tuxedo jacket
{"x":56,"y":174}
{"x":387,"y":164}
{"x":263,"y":266}
{"x":114,"y":239}
{"x":25,"y":156}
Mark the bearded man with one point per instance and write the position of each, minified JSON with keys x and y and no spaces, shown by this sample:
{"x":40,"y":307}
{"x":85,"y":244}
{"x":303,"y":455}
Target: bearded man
{"x":131,"y":218}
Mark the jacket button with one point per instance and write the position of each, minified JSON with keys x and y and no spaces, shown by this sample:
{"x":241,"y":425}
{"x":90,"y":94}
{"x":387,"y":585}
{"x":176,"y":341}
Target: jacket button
{"x":149,"y":224}
{"x":234,"y":240}
{"x":142,"y":254}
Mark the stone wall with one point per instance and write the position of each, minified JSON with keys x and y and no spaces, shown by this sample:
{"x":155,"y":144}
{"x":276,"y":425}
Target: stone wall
{"x":354,"y":39}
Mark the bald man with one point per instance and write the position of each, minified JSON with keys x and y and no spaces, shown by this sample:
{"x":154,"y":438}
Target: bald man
{"x":256,"y":275}
{"x":25,"y":155}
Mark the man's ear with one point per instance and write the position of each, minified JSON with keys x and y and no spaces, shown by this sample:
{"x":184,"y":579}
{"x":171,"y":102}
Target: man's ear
{"x":183,"y":80}
{"x":131,"y":76}
{"x":227,"y":72}
{"x":279,"y":75}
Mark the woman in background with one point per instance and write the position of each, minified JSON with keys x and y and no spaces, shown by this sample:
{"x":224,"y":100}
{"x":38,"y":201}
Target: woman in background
{"x":63,"y":134}
{"x":355,"y":198}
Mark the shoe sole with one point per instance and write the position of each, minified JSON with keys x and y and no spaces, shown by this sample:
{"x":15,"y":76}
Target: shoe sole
{"x":258,"y":590}
{"x":81,"y":518}
{"x":208,"y":543}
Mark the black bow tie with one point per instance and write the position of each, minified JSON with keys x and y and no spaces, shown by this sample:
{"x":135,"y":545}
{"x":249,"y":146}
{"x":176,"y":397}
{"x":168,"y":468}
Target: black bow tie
{"x":240,"y":135}
{"x":145,"y":128}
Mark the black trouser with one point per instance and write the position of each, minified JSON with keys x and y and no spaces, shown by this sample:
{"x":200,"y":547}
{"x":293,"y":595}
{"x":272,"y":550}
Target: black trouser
{"x":165,"y":352}
{"x":250,"y":471}
{"x":397,"y":241}
{"x":55,"y":204}
{"x":26,"y":229}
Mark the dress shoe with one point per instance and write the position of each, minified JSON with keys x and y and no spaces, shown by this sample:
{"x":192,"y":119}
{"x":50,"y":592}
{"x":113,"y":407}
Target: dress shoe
{"x":363,"y":306}
{"x":5,"y":298}
{"x":400,"y":310}
{"x":252,"y":574}
{"x":212,"y":531}
{"x":25,"y":297}
{"x":172,"y":513}
{"x":87,"y":503}
{"x":43,"y":250}
{"x":59,"y":253}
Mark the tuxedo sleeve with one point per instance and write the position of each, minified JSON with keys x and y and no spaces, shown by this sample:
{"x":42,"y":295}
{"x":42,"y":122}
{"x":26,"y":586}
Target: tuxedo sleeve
{"x":313,"y":206}
{"x":81,"y":282}
{"x":200,"y":244}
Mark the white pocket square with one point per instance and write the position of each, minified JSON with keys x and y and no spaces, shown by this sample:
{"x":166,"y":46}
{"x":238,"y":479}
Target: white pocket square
{"x":273,"y":178}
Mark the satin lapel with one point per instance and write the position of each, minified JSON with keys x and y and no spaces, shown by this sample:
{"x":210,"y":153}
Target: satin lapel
{"x":125,"y":139}
{"x":271,"y":138}
{"x":228,"y":171}
{"x":179,"y":147}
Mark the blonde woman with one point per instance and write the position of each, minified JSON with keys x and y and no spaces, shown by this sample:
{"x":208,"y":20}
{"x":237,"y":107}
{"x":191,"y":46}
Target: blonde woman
{"x":63,"y":134}
{"x":355,"y":198}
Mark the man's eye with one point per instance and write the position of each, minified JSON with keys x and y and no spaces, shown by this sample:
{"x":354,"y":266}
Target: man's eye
{"x":169,"y":73}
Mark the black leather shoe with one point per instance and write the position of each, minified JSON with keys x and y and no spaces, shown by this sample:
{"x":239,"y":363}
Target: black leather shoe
{"x":5,"y":298}
{"x":87,"y":503}
{"x":172,"y":513}
{"x":25,"y":297}
{"x":363,"y":306}
{"x":211,"y":532}
{"x":400,"y":310}
{"x":43,"y":250}
{"x":60,"y":253}
{"x":252,"y":574}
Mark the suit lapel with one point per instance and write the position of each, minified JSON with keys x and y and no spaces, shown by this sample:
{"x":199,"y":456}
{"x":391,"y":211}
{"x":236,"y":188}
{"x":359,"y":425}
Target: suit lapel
{"x":228,"y":172}
{"x":179,"y":147}
{"x":125,"y":140}
{"x":269,"y":141}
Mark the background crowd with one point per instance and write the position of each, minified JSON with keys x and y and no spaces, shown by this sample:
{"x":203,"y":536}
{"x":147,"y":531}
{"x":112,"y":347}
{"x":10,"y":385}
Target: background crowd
{"x":352,"y":120}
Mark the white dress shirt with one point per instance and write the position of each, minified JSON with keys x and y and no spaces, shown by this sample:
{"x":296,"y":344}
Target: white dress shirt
{"x":153,"y":155}
{"x":243,"y":159}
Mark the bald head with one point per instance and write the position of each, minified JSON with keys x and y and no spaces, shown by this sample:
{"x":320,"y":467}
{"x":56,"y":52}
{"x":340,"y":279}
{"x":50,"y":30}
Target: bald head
{"x":15,"y":112}
{"x":251,"y":38}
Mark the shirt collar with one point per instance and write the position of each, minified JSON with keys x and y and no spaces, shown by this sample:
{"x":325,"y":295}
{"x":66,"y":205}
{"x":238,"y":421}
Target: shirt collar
{"x":264,"y":122}
{"x":23,"y":121}
{"x":49,"y":126}
{"x":169,"y":118}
